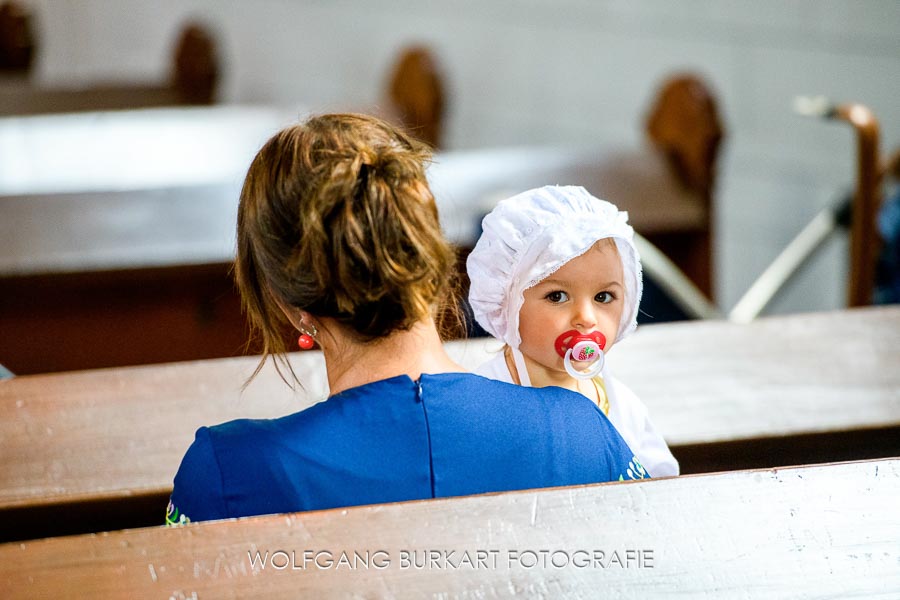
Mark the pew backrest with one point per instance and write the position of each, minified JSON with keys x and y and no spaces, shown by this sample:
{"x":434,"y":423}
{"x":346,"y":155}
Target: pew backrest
{"x":825,"y":530}
{"x":194,"y":77}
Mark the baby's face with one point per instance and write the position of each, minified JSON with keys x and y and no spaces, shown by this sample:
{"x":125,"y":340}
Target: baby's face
{"x":587,"y":294}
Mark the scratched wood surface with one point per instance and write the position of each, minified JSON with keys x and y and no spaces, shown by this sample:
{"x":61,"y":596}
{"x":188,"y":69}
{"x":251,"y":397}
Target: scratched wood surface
{"x":807,"y":532}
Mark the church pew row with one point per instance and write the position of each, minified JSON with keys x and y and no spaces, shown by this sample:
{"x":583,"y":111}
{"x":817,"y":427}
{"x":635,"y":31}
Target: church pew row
{"x":155,"y":264}
{"x":814,"y":531}
{"x":101,"y":447}
{"x":193,"y":80}
{"x":98,"y":226}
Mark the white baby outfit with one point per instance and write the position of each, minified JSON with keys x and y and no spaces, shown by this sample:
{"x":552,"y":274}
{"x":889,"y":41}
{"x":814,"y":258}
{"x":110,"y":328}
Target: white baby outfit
{"x":525,"y":239}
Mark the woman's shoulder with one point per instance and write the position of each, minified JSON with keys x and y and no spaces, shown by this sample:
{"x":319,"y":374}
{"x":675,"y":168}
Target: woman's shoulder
{"x":340,"y":411}
{"x":256,"y":431}
{"x":377,"y":401}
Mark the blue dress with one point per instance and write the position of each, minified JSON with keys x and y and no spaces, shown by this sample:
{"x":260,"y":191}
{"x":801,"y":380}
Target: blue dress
{"x":448,"y":434}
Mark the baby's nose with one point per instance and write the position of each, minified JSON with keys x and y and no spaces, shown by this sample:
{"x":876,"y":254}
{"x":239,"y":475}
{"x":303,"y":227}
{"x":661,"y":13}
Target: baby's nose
{"x":584,"y":318}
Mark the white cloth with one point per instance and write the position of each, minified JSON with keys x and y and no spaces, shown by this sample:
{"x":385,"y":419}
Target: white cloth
{"x":627,"y":414}
{"x":531,"y":235}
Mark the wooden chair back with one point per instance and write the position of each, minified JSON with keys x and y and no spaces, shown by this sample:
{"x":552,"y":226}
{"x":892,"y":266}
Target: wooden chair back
{"x":416,"y":92}
{"x":196,"y":65}
{"x":16,"y":38}
{"x":684,"y":126}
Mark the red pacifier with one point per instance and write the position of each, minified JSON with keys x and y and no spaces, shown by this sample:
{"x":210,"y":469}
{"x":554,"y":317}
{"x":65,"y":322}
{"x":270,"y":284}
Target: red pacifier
{"x":581,"y":347}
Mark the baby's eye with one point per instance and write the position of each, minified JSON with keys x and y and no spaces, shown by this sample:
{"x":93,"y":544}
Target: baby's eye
{"x":604,"y":297}
{"x":557,"y":297}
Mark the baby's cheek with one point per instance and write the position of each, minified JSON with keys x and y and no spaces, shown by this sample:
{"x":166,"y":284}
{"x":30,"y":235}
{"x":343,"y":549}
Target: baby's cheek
{"x":610,"y":332}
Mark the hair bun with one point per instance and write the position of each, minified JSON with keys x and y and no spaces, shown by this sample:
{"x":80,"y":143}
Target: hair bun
{"x":396,"y":165}
{"x":336,"y":218}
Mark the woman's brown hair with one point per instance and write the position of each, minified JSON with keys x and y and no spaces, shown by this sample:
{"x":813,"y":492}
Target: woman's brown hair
{"x":336,"y":218}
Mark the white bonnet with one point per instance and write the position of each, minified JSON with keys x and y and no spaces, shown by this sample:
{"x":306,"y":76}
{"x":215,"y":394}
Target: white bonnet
{"x":531,"y":235}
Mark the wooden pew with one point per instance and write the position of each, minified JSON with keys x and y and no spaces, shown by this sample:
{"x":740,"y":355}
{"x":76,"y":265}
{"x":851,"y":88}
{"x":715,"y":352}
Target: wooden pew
{"x":109,"y":214}
{"x":193,"y":81}
{"x":416,"y":95}
{"x":684,"y":126}
{"x":16,"y":38}
{"x":138,"y":252}
{"x":143,"y":289}
{"x":817,"y":531}
{"x":793,"y":389}
{"x":101,"y":447}
{"x":118,"y":260}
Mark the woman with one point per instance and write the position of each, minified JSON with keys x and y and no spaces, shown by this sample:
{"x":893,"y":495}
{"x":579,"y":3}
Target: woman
{"x":338,"y":235}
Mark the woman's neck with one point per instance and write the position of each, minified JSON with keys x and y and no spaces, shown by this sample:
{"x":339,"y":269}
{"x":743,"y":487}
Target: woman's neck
{"x":419,"y":350}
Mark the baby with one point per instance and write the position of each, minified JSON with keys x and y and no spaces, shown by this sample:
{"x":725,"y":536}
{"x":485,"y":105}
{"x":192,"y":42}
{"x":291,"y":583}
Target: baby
{"x":557,"y":277}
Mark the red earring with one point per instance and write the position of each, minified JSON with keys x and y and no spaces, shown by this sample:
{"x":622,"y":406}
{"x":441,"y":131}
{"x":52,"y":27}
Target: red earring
{"x":308,"y":338}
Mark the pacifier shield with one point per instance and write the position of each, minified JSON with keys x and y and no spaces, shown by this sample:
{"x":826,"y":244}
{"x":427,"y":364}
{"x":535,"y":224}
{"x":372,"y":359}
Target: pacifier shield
{"x":584,"y":346}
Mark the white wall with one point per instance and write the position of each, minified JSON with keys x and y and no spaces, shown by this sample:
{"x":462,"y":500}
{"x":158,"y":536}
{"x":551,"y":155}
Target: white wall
{"x":531,"y":71}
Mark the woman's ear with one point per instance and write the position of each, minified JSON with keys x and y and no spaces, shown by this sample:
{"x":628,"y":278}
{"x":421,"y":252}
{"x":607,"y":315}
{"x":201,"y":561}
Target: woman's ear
{"x":303,"y":318}
{"x":293,"y":314}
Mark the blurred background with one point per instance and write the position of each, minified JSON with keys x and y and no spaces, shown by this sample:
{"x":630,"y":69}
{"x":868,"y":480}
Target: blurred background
{"x":538,"y":74}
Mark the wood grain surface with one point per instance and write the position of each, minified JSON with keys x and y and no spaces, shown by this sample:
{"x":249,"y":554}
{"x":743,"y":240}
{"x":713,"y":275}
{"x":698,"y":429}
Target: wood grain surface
{"x":809,"y":532}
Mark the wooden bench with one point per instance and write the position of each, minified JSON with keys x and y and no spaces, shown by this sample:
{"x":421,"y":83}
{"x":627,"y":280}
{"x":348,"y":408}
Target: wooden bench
{"x":132,"y":254}
{"x":101,"y":447}
{"x":816,"y":531}
{"x":193,"y":81}
{"x":103,"y":207}
{"x":121,"y":261}
{"x":783,"y":390}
